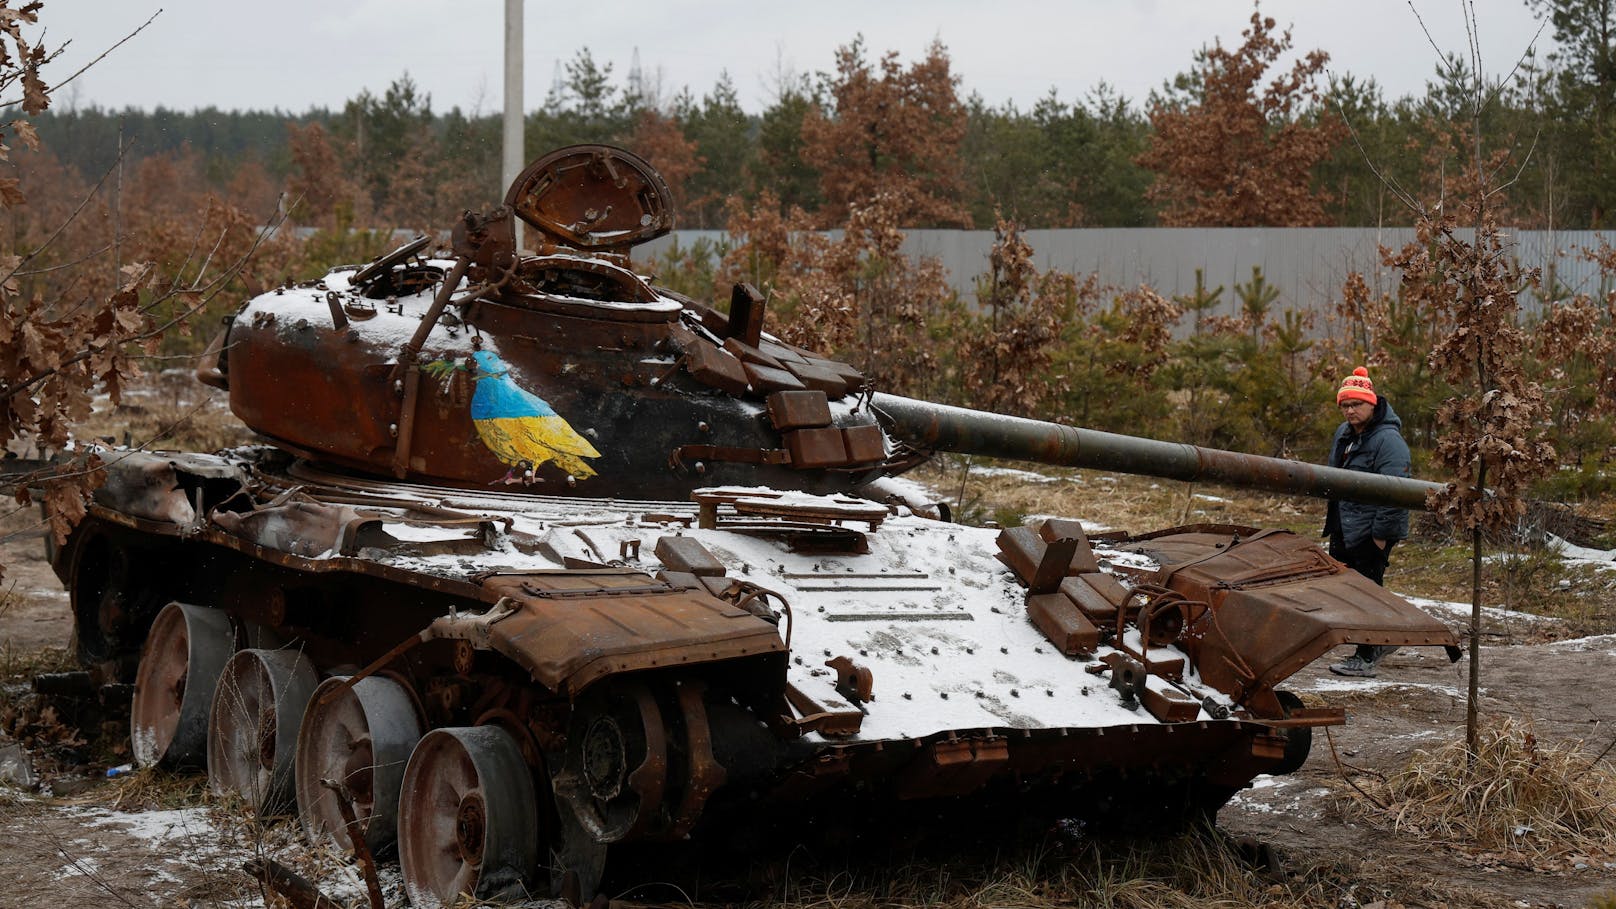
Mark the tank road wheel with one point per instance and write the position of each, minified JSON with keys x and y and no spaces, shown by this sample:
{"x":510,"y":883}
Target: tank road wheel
{"x":252,"y":731}
{"x":615,"y":769}
{"x":113,"y":593}
{"x":611,"y":783}
{"x":362,"y":737}
{"x":468,"y":819}
{"x":179,"y":668}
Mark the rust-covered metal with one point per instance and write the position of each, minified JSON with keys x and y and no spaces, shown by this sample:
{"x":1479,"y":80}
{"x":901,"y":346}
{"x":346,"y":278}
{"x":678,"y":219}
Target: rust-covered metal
{"x":1271,"y":602}
{"x":939,"y":427}
{"x":601,"y":564}
{"x":574,"y":627}
{"x":594,"y":198}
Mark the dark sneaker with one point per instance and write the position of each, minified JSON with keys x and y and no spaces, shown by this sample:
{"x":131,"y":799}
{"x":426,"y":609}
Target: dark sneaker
{"x":1355,"y":666}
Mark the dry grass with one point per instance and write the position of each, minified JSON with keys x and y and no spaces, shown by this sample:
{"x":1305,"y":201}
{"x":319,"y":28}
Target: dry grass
{"x":1197,"y":869}
{"x":1517,"y":795}
{"x":1007,"y":491}
{"x":1190,"y":870}
{"x":151,"y":789}
{"x":169,"y":410}
{"x":18,"y":666}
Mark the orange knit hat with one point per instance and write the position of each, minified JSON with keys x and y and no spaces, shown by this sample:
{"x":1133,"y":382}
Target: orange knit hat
{"x":1357,"y":387}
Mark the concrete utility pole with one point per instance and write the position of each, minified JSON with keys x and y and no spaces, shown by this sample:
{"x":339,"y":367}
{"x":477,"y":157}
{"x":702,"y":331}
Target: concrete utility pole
{"x":513,"y":157}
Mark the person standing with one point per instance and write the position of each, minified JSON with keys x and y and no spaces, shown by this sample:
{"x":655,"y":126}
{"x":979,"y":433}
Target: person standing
{"x":1369,"y":439}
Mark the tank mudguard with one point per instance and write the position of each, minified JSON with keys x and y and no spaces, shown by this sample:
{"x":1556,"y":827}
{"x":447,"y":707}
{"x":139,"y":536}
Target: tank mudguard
{"x":571,"y":628}
{"x":1277,"y":602}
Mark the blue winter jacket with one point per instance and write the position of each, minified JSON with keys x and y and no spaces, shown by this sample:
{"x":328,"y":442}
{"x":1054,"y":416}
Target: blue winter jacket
{"x":1378,"y":449}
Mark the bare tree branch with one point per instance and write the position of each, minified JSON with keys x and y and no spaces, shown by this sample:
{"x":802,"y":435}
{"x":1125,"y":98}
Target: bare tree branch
{"x":101,"y":56}
{"x":1525,"y":160}
{"x":208,"y":291}
{"x":65,"y":265}
{"x":1440,"y":56}
{"x":60,"y":228}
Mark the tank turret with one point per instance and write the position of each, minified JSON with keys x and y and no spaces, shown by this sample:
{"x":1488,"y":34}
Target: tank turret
{"x":555,"y":370}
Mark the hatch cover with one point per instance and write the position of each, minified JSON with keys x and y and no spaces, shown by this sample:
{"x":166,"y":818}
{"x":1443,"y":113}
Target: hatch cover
{"x":593,"y":197}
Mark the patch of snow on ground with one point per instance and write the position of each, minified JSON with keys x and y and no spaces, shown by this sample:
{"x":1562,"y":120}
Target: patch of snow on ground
{"x":1033,"y":520}
{"x":1448,"y":609}
{"x":1424,"y":734}
{"x":1284,"y":795}
{"x":1571,"y":552}
{"x":1015,"y":474}
{"x":156,"y":826}
{"x":1362,"y":685}
{"x":1206,"y":498}
{"x":194,"y":841}
{"x":1599,"y":643}
{"x":913,"y":490}
{"x":85,"y":866}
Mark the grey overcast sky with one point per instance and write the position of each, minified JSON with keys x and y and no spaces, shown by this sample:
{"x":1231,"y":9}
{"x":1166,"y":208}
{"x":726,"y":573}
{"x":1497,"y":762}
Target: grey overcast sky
{"x":296,"y":54}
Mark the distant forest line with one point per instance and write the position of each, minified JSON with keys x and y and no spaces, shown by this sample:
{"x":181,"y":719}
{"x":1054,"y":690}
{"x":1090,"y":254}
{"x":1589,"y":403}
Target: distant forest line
{"x":1233,"y":139}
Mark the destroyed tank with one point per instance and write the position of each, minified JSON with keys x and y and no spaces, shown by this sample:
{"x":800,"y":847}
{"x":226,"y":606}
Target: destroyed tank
{"x":543,"y":559}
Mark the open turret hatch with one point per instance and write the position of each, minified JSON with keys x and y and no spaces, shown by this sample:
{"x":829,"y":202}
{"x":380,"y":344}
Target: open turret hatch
{"x":593,"y":197}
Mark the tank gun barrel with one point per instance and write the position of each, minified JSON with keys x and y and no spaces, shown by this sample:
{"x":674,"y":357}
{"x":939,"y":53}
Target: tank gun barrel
{"x":940,"y":427}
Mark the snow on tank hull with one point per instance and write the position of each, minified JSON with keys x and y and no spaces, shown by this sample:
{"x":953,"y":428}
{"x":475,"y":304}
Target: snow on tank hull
{"x":670,"y":665}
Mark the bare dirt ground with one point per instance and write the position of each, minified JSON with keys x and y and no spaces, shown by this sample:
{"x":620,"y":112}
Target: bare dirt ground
{"x":1418,"y":702}
{"x":135,"y":841}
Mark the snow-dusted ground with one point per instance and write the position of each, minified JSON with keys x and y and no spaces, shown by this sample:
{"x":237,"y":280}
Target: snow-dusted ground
{"x":1582,"y":555}
{"x":1293,"y":797}
{"x":1328,"y":684}
{"x":192,"y":856}
{"x":1448,"y":610}
{"x":1599,"y":643}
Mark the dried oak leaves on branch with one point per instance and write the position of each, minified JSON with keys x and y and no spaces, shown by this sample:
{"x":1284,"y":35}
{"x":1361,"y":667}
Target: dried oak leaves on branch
{"x":1493,"y":444}
{"x":53,"y":352}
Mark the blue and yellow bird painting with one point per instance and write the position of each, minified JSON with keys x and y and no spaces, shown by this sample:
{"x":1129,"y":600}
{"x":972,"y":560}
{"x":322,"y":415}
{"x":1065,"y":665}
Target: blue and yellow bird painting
{"x":517,"y":425}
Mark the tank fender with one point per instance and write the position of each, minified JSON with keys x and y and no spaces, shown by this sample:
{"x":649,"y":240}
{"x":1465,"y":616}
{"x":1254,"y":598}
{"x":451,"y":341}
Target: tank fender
{"x":572,"y":628}
{"x":162,"y":487}
{"x":1277,"y":603}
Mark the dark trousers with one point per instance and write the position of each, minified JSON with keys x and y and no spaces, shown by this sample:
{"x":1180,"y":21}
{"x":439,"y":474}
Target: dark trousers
{"x":1370,"y":561}
{"x":1365,"y":558}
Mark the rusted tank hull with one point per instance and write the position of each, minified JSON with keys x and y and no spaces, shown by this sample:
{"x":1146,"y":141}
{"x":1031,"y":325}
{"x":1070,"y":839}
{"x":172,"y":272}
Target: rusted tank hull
{"x":345,"y":611}
{"x":492,"y":608}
